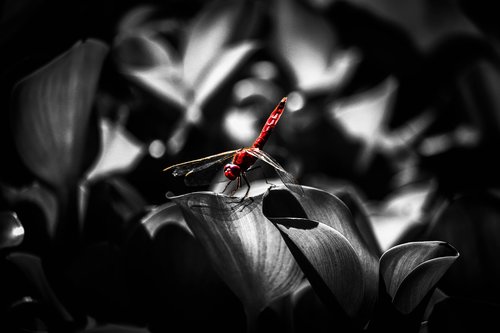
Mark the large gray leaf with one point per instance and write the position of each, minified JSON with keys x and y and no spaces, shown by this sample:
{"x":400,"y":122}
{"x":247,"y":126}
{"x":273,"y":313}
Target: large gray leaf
{"x":323,"y":207}
{"x":331,"y":256}
{"x":52,"y":110}
{"x":245,"y":248}
{"x":411,"y":270}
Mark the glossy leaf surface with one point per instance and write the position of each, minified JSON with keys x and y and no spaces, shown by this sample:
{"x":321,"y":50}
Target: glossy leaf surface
{"x":246,"y":250}
{"x":11,"y":230}
{"x":319,"y":206}
{"x":331,"y":256}
{"x":40,"y":196}
{"x":411,"y":270}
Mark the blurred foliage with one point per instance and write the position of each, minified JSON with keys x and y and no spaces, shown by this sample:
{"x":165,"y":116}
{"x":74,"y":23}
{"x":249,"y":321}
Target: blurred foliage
{"x":392,"y":122}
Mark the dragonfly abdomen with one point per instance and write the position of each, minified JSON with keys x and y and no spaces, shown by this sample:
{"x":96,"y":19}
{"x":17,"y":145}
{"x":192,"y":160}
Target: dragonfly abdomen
{"x":270,"y":124}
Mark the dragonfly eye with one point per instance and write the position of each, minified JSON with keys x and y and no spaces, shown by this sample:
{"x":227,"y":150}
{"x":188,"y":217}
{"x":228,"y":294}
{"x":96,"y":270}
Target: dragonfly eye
{"x":232,"y":171}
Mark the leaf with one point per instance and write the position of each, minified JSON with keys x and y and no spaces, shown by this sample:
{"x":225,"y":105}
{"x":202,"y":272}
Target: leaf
{"x":329,"y":255}
{"x":222,"y":68}
{"x":229,"y":59}
{"x":26,"y":314}
{"x":31,"y":267}
{"x":325,"y":208}
{"x":178,"y":137}
{"x":159,"y":82}
{"x":246,"y":250}
{"x":41,"y":196}
{"x":399,"y":211}
{"x":119,"y":152}
{"x":52,"y":113}
{"x":11,"y":230}
{"x":136,"y":18}
{"x":190,"y":287}
{"x":160,"y":216}
{"x":309,"y":313}
{"x":353,"y":200}
{"x":308,"y":44}
{"x":135,"y":51}
{"x":209,"y":33}
{"x":411,"y":270}
{"x":365,"y":117}
{"x":153,"y":65}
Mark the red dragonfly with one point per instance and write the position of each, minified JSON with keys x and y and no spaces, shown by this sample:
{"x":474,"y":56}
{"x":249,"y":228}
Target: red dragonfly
{"x":198,"y":172}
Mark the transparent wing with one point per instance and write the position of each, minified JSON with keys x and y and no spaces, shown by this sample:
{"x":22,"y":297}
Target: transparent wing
{"x":182,"y":169}
{"x":260,"y":154}
{"x":287,"y":178}
{"x":200,"y":171}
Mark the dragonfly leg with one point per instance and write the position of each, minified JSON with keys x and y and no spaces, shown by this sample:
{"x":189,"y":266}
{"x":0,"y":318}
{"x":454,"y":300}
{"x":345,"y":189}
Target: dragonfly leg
{"x":238,"y":185}
{"x":227,"y":185}
{"x":248,"y":185}
{"x":263,"y":174}
{"x":243,"y":198}
{"x":255,"y":167}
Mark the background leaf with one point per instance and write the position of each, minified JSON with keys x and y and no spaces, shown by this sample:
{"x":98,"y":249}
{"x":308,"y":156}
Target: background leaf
{"x":220,"y":70}
{"x":210,"y":32}
{"x":153,"y":65}
{"x":52,"y":113}
{"x":308,"y":44}
{"x":365,"y":117}
{"x":38,"y":209}
{"x":119,"y":151}
{"x":411,"y":270}
{"x":31,"y":267}
{"x":11,"y":230}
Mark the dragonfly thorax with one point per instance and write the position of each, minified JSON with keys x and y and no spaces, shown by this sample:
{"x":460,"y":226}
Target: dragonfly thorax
{"x":232,"y":171}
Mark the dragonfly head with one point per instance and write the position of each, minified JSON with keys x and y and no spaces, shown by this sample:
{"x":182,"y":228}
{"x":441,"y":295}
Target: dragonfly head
{"x":232,"y":171}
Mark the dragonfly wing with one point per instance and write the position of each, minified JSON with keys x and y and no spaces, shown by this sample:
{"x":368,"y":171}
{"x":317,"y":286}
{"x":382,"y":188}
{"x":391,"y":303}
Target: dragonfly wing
{"x":182,"y":169}
{"x":260,"y":154}
{"x":201,"y":168}
{"x":204,"y":174}
{"x":287,"y":178}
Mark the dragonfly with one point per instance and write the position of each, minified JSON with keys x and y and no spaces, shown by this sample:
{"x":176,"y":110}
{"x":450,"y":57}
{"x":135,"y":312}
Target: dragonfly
{"x":200,"y":171}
